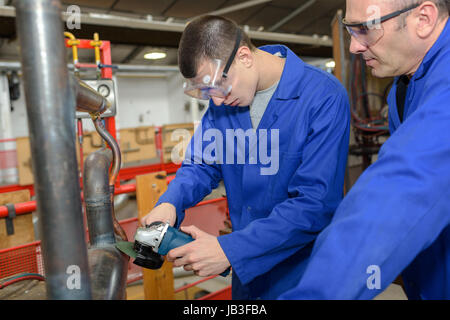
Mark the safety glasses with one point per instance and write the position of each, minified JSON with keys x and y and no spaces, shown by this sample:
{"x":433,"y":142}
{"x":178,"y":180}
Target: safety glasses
{"x":368,"y":33}
{"x":213,"y":82}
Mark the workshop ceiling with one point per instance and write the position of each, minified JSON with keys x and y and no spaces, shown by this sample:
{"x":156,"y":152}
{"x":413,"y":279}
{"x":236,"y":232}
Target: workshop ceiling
{"x":129,"y":45}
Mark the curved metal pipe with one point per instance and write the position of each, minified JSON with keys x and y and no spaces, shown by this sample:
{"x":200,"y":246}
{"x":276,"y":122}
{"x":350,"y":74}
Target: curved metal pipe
{"x":112,"y":143}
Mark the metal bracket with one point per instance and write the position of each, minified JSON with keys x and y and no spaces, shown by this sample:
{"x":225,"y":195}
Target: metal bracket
{"x":9,"y":220}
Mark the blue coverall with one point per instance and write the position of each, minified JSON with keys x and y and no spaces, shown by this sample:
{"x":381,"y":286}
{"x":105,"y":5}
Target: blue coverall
{"x":397,"y":215}
{"x":277,"y":216}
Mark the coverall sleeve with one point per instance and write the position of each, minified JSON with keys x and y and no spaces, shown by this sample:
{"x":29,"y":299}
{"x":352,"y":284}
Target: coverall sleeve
{"x":195,"y":179}
{"x":396,"y":209}
{"x":314,"y":191}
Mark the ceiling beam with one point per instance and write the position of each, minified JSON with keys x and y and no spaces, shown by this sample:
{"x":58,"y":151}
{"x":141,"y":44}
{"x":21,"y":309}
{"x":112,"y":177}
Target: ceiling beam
{"x":112,"y":6}
{"x":331,"y":12}
{"x":293,"y":14}
{"x":114,"y":21}
{"x":136,"y":51}
{"x":237,"y":7}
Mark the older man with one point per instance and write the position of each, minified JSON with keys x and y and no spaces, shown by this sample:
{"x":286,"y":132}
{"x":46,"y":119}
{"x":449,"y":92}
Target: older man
{"x":396,"y":218}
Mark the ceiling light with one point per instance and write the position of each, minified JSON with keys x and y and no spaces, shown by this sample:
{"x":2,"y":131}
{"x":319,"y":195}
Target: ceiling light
{"x":155,"y":55}
{"x":330,"y":64}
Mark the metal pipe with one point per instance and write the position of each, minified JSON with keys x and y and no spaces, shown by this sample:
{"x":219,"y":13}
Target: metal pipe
{"x":121,"y":68}
{"x":97,"y":198}
{"x":109,"y":270}
{"x":51,"y":110}
{"x":87,"y":99}
{"x":108,"y":266}
{"x":112,"y":143}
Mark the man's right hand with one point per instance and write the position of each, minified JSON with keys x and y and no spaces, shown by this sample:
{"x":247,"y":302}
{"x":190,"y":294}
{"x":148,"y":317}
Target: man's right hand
{"x":164,"y":212}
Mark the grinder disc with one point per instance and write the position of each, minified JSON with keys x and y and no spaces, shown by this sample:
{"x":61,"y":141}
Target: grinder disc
{"x":127,"y":248}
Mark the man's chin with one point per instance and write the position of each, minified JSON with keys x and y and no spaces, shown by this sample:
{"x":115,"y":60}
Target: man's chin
{"x":379,"y":72}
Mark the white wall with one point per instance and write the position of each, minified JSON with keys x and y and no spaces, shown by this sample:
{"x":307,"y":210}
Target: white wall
{"x":177,"y":100}
{"x":19,"y":115}
{"x":142,"y":100}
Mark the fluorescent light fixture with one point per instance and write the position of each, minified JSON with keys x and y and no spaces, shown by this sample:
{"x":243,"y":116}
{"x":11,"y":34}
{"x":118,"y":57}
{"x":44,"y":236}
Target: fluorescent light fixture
{"x":330,"y":64}
{"x":155,"y":55}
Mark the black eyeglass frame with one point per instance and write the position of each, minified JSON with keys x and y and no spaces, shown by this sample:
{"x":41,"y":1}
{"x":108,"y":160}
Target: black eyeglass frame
{"x":373,"y":22}
{"x":233,"y":54}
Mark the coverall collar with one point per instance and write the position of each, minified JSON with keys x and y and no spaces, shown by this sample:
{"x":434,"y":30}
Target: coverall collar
{"x":292,"y":72}
{"x":435,"y":49}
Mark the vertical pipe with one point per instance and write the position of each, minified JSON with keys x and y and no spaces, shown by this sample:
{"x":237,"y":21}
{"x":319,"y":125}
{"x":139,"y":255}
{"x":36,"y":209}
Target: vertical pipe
{"x":51,"y":113}
{"x":80,"y":142}
{"x":97,"y":198}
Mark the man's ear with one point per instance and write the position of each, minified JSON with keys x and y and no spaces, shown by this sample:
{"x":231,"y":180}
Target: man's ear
{"x":427,"y":19}
{"x":245,"y":56}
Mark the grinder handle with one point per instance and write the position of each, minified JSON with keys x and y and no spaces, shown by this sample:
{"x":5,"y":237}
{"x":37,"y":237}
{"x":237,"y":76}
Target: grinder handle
{"x":175,"y":238}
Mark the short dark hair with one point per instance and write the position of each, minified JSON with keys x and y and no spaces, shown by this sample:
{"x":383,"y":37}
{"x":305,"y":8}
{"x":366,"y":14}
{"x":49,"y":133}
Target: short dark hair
{"x":211,"y":37}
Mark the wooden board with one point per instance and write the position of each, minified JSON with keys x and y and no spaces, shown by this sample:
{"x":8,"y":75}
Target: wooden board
{"x":180,"y":141}
{"x":167,"y":131}
{"x":158,"y":284}
{"x":91,"y":142}
{"x":24,"y":165}
{"x":23,"y":224}
{"x":137,"y":144}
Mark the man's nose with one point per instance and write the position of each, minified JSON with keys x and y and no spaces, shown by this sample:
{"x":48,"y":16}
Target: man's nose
{"x":217,"y":101}
{"x":356,"y":47}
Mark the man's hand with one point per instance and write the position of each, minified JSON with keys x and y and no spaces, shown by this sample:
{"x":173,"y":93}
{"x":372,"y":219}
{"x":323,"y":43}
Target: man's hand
{"x":204,"y":255}
{"x":164,"y":212}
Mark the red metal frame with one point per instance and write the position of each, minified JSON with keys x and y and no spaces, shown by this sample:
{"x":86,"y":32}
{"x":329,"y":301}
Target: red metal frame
{"x":30,"y":206}
{"x":27,"y":257}
{"x":124,"y":174}
{"x":110,"y":124}
{"x":223,"y":294}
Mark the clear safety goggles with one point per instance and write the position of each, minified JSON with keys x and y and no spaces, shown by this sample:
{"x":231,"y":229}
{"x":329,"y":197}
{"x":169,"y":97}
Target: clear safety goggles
{"x":368,"y":33}
{"x":213,"y":80}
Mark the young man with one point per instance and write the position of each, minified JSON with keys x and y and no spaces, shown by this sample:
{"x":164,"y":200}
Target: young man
{"x":396,"y":217}
{"x":277,"y":133}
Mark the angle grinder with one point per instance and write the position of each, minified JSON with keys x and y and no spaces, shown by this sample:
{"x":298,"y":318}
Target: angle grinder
{"x":154,"y":241}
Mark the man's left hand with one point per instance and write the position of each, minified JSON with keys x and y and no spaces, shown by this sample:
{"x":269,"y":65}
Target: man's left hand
{"x":204,"y":255}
